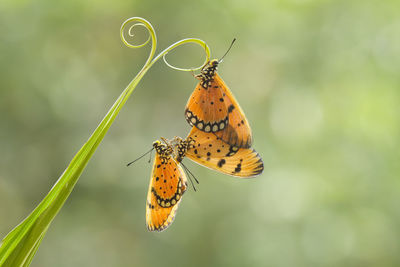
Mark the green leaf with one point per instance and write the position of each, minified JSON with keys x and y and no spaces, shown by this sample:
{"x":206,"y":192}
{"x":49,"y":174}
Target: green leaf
{"x":21,"y":244}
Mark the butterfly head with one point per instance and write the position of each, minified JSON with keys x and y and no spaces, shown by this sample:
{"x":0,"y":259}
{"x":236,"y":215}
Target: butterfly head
{"x":210,"y":68}
{"x":158,"y":146}
{"x":164,"y":150}
{"x":214,"y":63}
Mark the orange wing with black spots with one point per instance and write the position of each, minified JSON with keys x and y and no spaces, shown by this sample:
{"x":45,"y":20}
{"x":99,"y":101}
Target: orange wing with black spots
{"x":238,"y":131}
{"x":206,"y":109}
{"x":210,"y":151}
{"x":167,"y":185}
{"x":213,"y":108}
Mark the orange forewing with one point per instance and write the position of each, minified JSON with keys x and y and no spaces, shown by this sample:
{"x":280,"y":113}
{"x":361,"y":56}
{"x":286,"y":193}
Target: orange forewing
{"x":206,"y":109}
{"x":167,"y":185}
{"x":210,"y":151}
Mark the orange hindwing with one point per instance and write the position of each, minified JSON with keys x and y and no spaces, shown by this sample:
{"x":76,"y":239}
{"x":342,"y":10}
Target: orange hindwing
{"x":238,"y":131}
{"x":167,"y":185}
{"x":210,"y":151}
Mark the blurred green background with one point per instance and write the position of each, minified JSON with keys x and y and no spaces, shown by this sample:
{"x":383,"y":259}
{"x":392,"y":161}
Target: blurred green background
{"x":318,"y":81}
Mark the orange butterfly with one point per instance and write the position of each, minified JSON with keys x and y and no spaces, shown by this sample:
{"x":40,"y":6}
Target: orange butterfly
{"x":212,"y":108}
{"x":167,"y":185}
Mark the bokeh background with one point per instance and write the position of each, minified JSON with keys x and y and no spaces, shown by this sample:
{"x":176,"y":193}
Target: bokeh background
{"x":317,"y":79}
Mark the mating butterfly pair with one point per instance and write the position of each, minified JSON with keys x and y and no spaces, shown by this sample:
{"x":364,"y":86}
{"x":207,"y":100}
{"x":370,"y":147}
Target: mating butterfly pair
{"x":220,"y":140}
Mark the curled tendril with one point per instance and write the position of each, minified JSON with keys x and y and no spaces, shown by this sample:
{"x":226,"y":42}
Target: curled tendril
{"x":131,"y":34}
{"x":150,"y":61}
{"x":152,"y":35}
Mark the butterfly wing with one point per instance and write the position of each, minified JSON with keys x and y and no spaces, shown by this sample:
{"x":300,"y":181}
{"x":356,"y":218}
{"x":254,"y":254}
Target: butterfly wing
{"x":238,"y":131}
{"x":206,"y":109}
{"x":167,"y":185}
{"x":210,"y":151}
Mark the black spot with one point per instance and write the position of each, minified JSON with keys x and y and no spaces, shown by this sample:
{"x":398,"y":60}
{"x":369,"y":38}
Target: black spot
{"x":158,"y":166}
{"x":242,"y":122}
{"x":221,"y":163}
{"x":218,"y":150}
{"x":164,"y":168}
{"x":157,"y":178}
{"x":221,"y":99}
{"x":149,"y":206}
{"x":160,"y":187}
{"x":212,"y":103}
{"x":165,"y":180}
{"x":220,"y":110}
{"x":208,"y":154}
{"x":171,"y":186}
{"x":210,"y":145}
{"x":164,"y":192}
{"x":238,"y":168}
{"x":230,"y":108}
{"x":195,"y":151}
{"x":238,"y":124}
{"x":216,"y":86}
{"x":174,"y":169}
{"x":152,"y":206}
{"x":208,"y":159}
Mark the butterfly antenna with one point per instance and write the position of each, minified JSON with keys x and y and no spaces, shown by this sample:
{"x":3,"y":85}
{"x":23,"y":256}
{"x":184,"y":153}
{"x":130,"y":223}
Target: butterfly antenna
{"x":233,"y":41}
{"x":189,"y":174}
{"x":140,"y":157}
{"x":151,"y":152}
